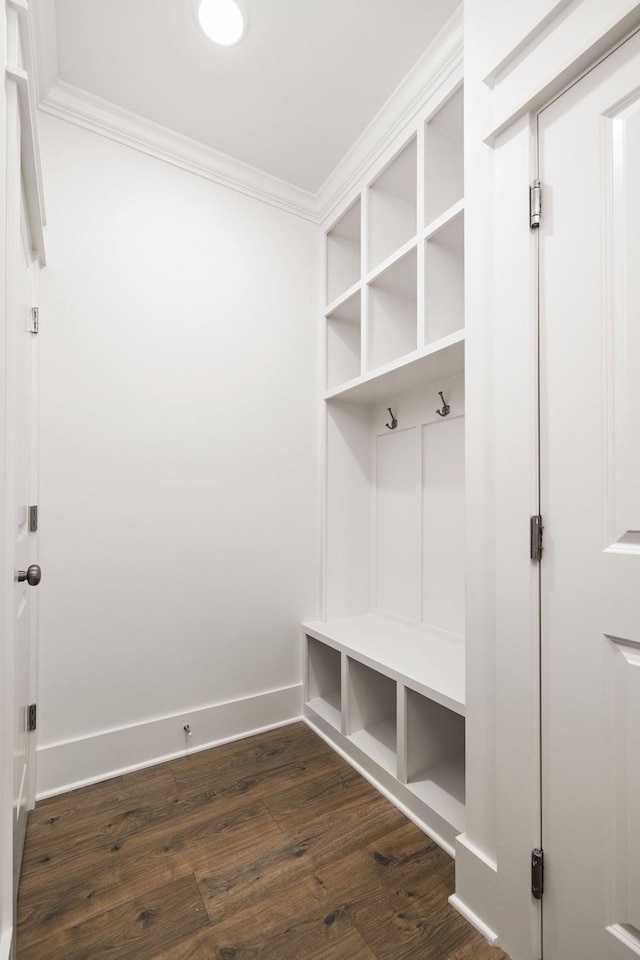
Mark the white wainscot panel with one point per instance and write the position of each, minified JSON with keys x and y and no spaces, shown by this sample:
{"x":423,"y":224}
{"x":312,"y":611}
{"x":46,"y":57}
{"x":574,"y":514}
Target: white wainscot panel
{"x":623,"y":331}
{"x":348,"y":515}
{"x":397,"y":523}
{"x":443,"y":530}
{"x":625,"y":753}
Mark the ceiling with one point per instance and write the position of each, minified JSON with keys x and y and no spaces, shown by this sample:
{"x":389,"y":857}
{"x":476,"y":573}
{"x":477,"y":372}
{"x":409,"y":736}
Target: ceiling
{"x":290,"y":100}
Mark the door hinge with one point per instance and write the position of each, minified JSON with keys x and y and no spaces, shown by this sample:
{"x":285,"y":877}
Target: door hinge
{"x":32,"y":718}
{"x":33,"y":519}
{"x":536,"y":537}
{"x":535,"y":204}
{"x":537,"y":873}
{"x":35,"y":320}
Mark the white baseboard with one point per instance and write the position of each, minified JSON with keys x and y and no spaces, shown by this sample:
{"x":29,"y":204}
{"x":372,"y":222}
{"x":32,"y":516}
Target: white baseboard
{"x":76,"y":763}
{"x":474,"y":920}
{"x":6,"y":944}
{"x":476,"y":888}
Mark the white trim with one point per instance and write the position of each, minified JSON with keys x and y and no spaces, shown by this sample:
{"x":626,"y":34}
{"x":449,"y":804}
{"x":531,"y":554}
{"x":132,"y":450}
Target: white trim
{"x":476,"y":888}
{"x":29,"y":104}
{"x":624,"y":936}
{"x":6,"y":944}
{"x":31,"y":173}
{"x":590,"y":30}
{"x":44,"y":37}
{"x":474,"y":920}
{"x":21,"y":72}
{"x":70,"y":103}
{"x":75,"y":763}
{"x":503,"y":65}
{"x":474,"y":851}
{"x":441,"y":60}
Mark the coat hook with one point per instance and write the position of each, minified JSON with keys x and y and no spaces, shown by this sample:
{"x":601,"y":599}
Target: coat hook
{"x":394,"y":422}
{"x":446,"y":409}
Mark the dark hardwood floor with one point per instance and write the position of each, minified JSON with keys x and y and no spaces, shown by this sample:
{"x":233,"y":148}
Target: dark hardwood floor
{"x":270,"y":848}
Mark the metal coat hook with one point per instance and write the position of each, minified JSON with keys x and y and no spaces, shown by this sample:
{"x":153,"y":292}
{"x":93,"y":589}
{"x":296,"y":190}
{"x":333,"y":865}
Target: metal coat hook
{"x":394,"y":422}
{"x":446,"y":409}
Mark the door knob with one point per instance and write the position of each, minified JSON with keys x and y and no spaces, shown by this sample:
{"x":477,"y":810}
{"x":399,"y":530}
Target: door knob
{"x":33,"y":575}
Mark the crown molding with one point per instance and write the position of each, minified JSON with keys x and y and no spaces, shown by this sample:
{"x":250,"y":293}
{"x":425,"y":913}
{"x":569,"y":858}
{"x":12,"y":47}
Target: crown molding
{"x":441,"y":60}
{"x":68,"y":102}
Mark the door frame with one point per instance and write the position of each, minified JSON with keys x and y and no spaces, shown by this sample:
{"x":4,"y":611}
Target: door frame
{"x":6,"y":731}
{"x":514,"y":415}
{"x":20,"y":177}
{"x":546,"y":643}
{"x":13,"y":249}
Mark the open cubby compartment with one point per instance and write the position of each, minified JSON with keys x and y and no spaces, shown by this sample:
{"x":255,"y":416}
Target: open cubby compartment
{"x":444,"y":273}
{"x":343,"y":253}
{"x":344,"y":342}
{"x":324,"y":675}
{"x":435,"y":745}
{"x":444,"y":169}
{"x":393,"y":306}
{"x":392,"y":206}
{"x":372,"y":714}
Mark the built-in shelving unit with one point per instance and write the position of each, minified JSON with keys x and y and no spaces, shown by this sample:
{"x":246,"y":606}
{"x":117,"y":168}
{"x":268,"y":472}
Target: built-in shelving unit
{"x":444,"y":273}
{"x":385,"y":663}
{"x":390,"y":697}
{"x":371,"y":715}
{"x":343,"y":253}
{"x":392,"y":204}
{"x":393,"y":304}
{"x":435,"y":757}
{"x":344,"y":340}
{"x":324,"y":682}
{"x":444,"y":166}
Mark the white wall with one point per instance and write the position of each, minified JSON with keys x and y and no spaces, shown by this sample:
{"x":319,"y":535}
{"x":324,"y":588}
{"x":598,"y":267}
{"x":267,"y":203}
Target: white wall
{"x":179,"y":456}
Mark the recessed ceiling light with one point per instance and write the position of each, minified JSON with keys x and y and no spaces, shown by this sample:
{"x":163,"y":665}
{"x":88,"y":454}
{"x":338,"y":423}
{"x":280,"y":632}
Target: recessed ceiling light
{"x":223,"y":21}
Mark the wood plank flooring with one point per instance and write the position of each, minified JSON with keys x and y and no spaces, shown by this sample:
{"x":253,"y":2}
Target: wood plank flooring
{"x":270,"y":848}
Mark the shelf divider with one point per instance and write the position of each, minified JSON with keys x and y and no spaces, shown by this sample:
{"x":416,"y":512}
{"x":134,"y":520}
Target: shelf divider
{"x":427,"y":662}
{"x":437,"y":361}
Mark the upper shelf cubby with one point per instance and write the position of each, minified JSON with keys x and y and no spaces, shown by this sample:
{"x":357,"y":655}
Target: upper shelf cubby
{"x":343,"y":253}
{"x":393,"y":206}
{"x":344,"y":341}
{"x":392,"y":311}
{"x":444,"y":277}
{"x":444,"y":173}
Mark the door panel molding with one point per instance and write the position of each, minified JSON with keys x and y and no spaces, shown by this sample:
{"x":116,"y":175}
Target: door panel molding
{"x":624,"y":700}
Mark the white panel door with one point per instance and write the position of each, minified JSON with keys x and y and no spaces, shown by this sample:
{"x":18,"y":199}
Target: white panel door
{"x":19,"y":635}
{"x":23,"y":404}
{"x":589,"y":142}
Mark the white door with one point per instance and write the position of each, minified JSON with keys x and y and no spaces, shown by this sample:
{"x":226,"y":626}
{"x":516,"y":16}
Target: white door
{"x":20,"y":492}
{"x":589,"y":142}
{"x":25,"y":597}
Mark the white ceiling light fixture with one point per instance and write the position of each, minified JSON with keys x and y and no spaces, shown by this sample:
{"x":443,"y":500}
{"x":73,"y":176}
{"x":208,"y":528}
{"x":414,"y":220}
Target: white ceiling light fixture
{"x":224,"y":21}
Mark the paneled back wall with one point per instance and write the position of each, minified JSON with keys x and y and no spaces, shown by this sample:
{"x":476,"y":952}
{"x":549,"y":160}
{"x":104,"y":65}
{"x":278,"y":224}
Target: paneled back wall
{"x":395,"y":508}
